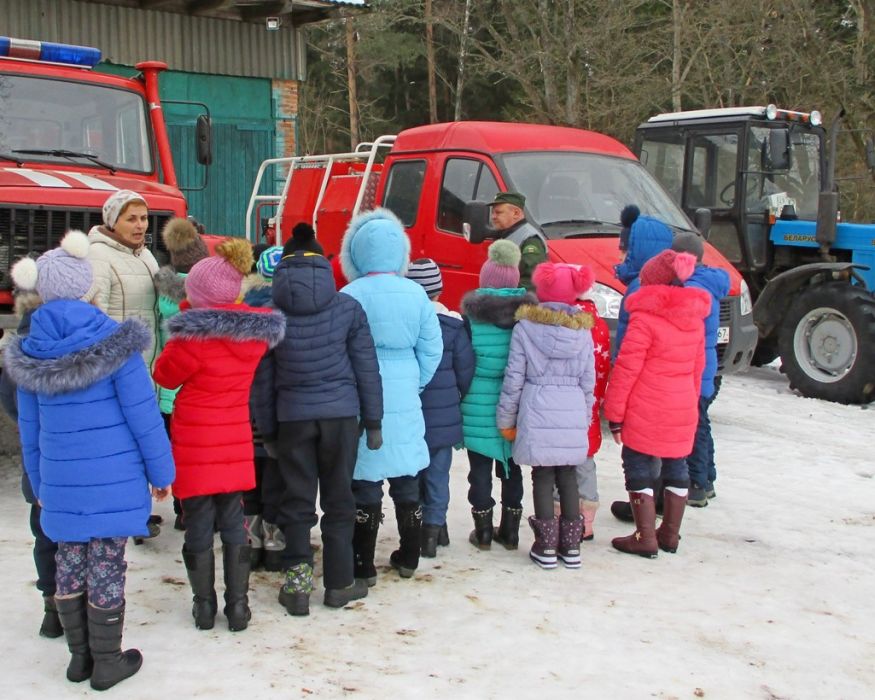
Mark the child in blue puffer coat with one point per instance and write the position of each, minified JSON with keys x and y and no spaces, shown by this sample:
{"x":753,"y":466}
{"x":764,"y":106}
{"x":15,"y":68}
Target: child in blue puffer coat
{"x":92,"y":442}
{"x":715,"y":281}
{"x":374,"y":256}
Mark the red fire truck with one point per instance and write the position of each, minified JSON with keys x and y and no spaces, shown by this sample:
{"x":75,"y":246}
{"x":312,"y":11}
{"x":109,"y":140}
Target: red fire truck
{"x":69,"y":136}
{"x":439,"y":178}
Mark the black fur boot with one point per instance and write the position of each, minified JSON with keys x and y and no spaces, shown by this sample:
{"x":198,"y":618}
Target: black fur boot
{"x":364,"y":541}
{"x":111,"y":664}
{"x":406,"y":558}
{"x":481,"y":535}
{"x":508,"y":534}
{"x":429,"y":540}
{"x":51,"y":624}
{"x":74,"y":619}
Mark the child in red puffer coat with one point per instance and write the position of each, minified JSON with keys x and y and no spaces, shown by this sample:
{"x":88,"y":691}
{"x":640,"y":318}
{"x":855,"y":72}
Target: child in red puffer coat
{"x":215,"y":344}
{"x":653,"y":394}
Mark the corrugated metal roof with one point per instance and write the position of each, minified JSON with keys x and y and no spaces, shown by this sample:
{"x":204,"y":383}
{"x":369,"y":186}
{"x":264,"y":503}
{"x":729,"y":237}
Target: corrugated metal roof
{"x":128,"y":35}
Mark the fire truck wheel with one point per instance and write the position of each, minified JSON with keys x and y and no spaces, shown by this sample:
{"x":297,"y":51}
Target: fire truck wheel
{"x":826,"y":343}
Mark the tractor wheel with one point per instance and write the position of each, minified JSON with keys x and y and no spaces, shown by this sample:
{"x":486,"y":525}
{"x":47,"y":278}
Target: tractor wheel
{"x":827,"y":343}
{"x":766,"y":351}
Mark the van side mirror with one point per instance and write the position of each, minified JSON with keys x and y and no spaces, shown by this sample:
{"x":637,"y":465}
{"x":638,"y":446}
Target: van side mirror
{"x":702,"y":221}
{"x":475,"y":222}
{"x":203,"y":140}
{"x":777,"y":154}
{"x":870,"y":153}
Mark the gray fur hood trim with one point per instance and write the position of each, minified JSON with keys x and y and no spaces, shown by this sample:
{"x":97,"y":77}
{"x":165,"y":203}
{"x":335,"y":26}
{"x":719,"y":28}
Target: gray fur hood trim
{"x":169,"y":283}
{"x":496,"y":309}
{"x":78,"y":370}
{"x":217,"y":324}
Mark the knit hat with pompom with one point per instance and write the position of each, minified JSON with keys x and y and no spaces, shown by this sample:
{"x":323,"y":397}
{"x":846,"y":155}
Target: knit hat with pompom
{"x":216,"y":281}
{"x":61,"y":273}
{"x":184,"y":244}
{"x":501,"y":270}
{"x":303,"y":238}
{"x":628,"y":217}
{"x":669,"y":267}
{"x":561,"y":282}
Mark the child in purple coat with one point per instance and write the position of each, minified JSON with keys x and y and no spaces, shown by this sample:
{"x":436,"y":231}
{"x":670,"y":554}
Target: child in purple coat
{"x":546,"y":404}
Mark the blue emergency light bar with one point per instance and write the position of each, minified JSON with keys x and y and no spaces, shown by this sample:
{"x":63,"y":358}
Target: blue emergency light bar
{"x":83,"y":56}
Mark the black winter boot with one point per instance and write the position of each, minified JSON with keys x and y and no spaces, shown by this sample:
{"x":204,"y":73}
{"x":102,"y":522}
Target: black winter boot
{"x":508,"y":533}
{"x":201,"y":569}
{"x":236,"y":558}
{"x":364,"y":541}
{"x":111,"y":664}
{"x":340,"y":597}
{"x":444,"y":536}
{"x":295,"y":591}
{"x":51,"y":625}
{"x":72,"y":615}
{"x":406,"y":558}
{"x":429,"y":540}
{"x":481,"y":535}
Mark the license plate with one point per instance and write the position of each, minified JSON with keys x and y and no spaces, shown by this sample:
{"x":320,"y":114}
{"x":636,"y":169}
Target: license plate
{"x":722,"y":335}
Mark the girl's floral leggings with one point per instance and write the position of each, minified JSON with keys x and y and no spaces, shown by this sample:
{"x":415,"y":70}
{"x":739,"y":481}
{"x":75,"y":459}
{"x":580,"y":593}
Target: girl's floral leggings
{"x":97,"y":567}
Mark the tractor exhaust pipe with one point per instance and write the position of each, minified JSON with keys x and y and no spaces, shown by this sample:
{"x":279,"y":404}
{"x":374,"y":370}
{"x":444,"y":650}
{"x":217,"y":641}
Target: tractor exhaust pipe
{"x":828,"y":199}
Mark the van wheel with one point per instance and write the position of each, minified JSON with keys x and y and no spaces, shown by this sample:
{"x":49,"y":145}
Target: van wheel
{"x":826,"y":343}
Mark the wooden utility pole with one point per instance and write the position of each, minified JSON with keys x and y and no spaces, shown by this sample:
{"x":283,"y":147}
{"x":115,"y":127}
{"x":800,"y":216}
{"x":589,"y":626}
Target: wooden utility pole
{"x":350,"y":81}
{"x":429,"y":56}
{"x":463,"y":48}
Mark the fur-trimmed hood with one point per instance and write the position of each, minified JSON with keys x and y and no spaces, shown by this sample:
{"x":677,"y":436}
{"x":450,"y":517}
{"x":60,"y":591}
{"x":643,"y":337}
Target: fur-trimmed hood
{"x":170,"y":283}
{"x":496,"y":306}
{"x":555,"y":314}
{"x":684,"y":307}
{"x":374,"y":242}
{"x":76,"y":370}
{"x":235,"y":322}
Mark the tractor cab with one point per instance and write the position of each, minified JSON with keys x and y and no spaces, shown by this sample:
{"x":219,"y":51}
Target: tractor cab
{"x":748,"y":166}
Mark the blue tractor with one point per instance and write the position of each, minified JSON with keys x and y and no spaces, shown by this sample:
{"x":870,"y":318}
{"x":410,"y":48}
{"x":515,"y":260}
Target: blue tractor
{"x":765,"y":179}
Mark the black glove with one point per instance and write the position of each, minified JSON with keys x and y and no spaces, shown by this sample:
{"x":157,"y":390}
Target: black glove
{"x":615,"y":427}
{"x":375,"y":438}
{"x":270,"y":448}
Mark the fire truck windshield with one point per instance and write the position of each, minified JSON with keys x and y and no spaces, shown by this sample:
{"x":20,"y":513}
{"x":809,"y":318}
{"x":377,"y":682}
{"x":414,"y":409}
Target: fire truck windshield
{"x":55,"y":121}
{"x":564,"y":189}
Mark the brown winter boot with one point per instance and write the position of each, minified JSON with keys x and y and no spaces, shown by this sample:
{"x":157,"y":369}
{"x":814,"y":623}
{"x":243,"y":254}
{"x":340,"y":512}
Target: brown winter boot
{"x":643,"y":541}
{"x":668,"y":534}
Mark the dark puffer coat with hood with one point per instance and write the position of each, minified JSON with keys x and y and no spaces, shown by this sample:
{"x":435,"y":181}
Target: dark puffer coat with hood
{"x":326,"y":365}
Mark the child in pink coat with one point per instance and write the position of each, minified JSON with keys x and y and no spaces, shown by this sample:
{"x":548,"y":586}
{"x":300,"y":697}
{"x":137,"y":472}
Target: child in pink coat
{"x":653,"y":393}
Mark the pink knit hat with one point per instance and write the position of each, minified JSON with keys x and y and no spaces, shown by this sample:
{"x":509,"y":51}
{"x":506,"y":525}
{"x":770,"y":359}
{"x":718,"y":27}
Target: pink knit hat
{"x":216,"y":281}
{"x":669,"y":267}
{"x":561,"y":282}
{"x":501,"y":270}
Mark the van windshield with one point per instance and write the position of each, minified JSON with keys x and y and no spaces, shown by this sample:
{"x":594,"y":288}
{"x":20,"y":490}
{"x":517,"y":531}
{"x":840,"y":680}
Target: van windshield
{"x":567,"y":192}
{"x":65,"y":122}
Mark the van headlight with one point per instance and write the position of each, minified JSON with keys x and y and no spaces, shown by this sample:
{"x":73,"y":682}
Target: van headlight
{"x":607,"y":301}
{"x":746,"y":305}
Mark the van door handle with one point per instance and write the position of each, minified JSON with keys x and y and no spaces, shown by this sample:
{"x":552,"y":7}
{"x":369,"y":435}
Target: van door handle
{"x":450,"y":266}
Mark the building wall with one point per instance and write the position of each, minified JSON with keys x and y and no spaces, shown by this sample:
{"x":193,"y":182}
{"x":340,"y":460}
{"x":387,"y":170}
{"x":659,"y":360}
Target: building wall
{"x":127,"y":35}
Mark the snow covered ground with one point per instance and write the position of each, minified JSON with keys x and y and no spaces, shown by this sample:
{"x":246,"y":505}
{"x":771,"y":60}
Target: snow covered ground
{"x":769,"y":596}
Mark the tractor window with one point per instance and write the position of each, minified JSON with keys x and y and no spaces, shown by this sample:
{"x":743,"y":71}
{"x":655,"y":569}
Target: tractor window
{"x":464,"y":181}
{"x":801,"y":183}
{"x":403,"y":189}
{"x":663,"y":155}
{"x":712,"y":173}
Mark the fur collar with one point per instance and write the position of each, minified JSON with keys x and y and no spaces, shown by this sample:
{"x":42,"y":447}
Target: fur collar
{"x":554,"y":317}
{"x":684,"y":307}
{"x":77,"y":370}
{"x":26,"y":302}
{"x":238,"y":322}
{"x":253,"y":281}
{"x":496,"y":309}
{"x":169,"y":283}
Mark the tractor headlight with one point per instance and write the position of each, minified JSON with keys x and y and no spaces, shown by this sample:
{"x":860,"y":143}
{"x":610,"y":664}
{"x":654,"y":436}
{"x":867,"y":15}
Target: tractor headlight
{"x":771,"y":112}
{"x":607,"y":300}
{"x":816,"y":118}
{"x":746,"y":304}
